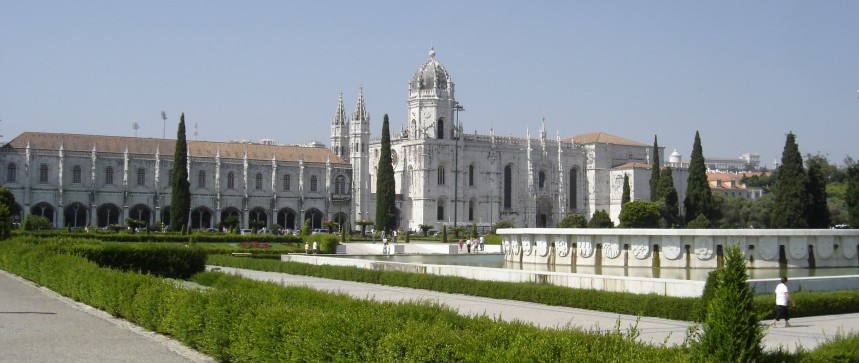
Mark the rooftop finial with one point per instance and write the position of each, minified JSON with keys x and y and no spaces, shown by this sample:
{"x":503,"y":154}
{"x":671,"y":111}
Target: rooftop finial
{"x":432,"y":52}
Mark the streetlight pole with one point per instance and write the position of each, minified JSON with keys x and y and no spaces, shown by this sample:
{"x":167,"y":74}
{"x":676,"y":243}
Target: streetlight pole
{"x":456,"y":135}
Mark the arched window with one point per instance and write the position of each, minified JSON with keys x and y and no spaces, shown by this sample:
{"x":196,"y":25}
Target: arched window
{"x":43,"y":173}
{"x":542,"y":179}
{"x":471,"y":175}
{"x":287,"y":180}
{"x":574,"y":175}
{"x":141,"y":177}
{"x":508,"y":187}
{"x":11,"y":172}
{"x":340,"y":185}
{"x":258,"y":182}
{"x":201,"y":179}
{"x":440,"y":175}
{"x":108,"y":176}
{"x":440,"y":129}
{"x":76,"y":174}
{"x":440,"y":211}
{"x":313,"y":183}
{"x":231,"y":180}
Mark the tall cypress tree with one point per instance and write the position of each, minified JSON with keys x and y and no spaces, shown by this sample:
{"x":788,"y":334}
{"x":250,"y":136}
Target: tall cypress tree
{"x":180,"y":198}
{"x":699,"y":198}
{"x":385,"y":202}
{"x":626,"y":197}
{"x":655,"y":193}
{"x":818,"y":208}
{"x":851,"y":197}
{"x":670,"y":200}
{"x":791,"y":198}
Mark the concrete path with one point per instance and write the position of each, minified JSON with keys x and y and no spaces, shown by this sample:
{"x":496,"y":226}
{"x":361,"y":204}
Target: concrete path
{"x":39,"y":325}
{"x":806,"y":332}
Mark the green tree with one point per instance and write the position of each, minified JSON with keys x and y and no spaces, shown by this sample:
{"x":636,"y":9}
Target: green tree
{"x":791,"y":198}
{"x":852,"y":195}
{"x":818,"y":208}
{"x":385,"y":202}
{"x":33,"y":222}
{"x":625,"y":198}
{"x":655,"y":175}
{"x":699,"y":198}
{"x":700,"y":222}
{"x":473,"y":233}
{"x":669,"y":200}
{"x":640,"y":214}
{"x":501,"y":224}
{"x":600,"y":219}
{"x":731,"y":330}
{"x":180,"y":197}
{"x":7,"y":201}
{"x":574,"y":220}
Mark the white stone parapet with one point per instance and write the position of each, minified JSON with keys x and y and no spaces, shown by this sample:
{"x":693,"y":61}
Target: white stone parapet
{"x":680,"y":248}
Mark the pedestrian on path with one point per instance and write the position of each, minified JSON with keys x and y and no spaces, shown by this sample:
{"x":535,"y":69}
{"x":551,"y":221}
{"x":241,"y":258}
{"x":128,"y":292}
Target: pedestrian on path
{"x":460,"y":244}
{"x":782,"y":297}
{"x":315,"y":247}
{"x":306,"y":248}
{"x":468,"y":245}
{"x":481,"y":243}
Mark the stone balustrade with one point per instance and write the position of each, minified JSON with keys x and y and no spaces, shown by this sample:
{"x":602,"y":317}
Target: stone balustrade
{"x":681,"y":248}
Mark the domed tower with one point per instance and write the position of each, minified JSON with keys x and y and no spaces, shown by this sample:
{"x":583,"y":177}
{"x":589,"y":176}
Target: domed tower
{"x":431,"y":101}
{"x":340,"y":131}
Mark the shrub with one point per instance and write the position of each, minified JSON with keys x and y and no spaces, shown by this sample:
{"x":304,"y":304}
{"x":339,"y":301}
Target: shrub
{"x":501,"y":224}
{"x":700,"y":222}
{"x":730,"y":332}
{"x":640,"y":214}
{"x":33,"y":222}
{"x":327,"y":242}
{"x":600,"y":219}
{"x":574,"y":220}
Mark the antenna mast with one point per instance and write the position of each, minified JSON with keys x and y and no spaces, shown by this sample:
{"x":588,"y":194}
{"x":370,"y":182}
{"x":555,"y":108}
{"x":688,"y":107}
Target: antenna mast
{"x":135,"y":126}
{"x":164,"y":126}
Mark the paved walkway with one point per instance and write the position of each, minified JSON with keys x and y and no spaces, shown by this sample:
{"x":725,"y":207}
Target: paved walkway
{"x":39,"y":325}
{"x":806,"y":332}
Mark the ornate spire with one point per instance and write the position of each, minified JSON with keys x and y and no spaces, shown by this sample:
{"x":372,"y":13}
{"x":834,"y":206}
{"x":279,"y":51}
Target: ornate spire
{"x":340,"y":117}
{"x":360,"y":109}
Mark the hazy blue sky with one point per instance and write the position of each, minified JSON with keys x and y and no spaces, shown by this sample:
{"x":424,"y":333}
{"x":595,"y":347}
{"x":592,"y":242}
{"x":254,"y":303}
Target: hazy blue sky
{"x":742,"y":73}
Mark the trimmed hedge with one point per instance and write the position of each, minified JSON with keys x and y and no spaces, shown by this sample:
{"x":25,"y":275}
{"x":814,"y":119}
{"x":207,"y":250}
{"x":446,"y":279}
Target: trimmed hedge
{"x":616,"y":302}
{"x":163,"y":237}
{"x":238,"y":320}
{"x":160,"y":260}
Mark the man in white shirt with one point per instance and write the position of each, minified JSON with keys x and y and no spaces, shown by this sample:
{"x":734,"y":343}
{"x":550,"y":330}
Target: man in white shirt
{"x":782,"y":297}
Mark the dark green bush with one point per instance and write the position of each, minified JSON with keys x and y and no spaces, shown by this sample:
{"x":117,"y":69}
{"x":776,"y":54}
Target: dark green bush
{"x":161,"y":260}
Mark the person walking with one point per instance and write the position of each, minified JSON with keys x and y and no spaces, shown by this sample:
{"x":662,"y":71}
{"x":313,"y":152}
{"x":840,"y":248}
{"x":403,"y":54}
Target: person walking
{"x":782,"y":297}
{"x":468,"y":245}
{"x":315,"y":247}
{"x":306,"y":248}
{"x":460,"y":244}
{"x":480,"y":243}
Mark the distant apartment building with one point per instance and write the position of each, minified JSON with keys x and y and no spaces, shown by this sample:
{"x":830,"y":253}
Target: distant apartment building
{"x":730,"y":184}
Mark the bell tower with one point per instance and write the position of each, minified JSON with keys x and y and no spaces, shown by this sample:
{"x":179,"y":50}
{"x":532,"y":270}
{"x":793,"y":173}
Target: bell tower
{"x":359,"y":156}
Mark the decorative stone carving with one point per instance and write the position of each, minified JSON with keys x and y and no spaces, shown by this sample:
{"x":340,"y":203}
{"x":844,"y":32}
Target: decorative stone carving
{"x":527,"y":247}
{"x":848,"y":246}
{"x":610,"y":246}
{"x":562,"y":248}
{"x":671,"y":247}
{"x":640,"y":247}
{"x":798,"y":247}
{"x":703,"y":247}
{"x":517,"y":247}
{"x":506,"y":246}
{"x":825,"y":247}
{"x":768,"y":247}
{"x":542,"y":246}
{"x":586,"y":248}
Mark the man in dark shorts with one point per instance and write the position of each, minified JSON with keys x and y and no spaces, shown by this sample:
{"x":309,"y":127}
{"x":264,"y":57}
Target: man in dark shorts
{"x":782,"y":297}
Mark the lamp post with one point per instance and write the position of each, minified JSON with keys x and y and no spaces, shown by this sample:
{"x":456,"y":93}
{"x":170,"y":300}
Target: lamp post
{"x":455,"y":136}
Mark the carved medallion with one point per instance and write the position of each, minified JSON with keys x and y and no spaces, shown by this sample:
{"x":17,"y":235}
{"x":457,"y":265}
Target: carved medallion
{"x":825,"y":247}
{"x":849,"y":247}
{"x":768,"y":247}
{"x":640,"y":247}
{"x":562,"y":248}
{"x":798,"y":247}
{"x":586,"y":248}
{"x":610,"y":246}
{"x":671,"y":247}
{"x":703,"y":247}
{"x":542,"y":246}
{"x":527,"y":247}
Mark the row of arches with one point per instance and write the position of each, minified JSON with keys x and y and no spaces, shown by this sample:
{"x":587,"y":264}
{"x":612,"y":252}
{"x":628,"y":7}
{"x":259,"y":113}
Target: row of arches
{"x":77,"y":215}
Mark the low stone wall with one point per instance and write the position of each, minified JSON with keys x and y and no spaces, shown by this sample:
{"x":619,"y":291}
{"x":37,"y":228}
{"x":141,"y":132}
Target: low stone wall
{"x":636,"y":285}
{"x":422,"y":248}
{"x":680,"y":248}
